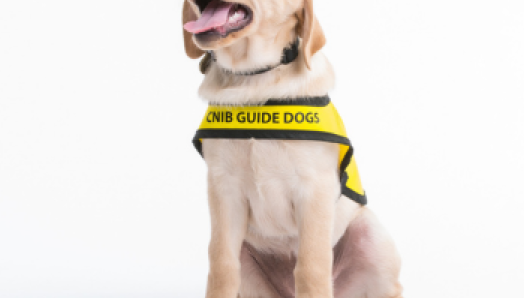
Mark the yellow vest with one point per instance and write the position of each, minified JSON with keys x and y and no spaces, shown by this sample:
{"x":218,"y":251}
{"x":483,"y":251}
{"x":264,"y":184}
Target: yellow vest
{"x":314,"y":119}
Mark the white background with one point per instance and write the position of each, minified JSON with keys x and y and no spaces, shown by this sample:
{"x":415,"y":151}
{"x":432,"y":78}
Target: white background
{"x":102,"y":194}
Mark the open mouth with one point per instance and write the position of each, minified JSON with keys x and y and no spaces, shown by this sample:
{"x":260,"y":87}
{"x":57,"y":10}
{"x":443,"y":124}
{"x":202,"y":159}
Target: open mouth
{"x":220,"y":18}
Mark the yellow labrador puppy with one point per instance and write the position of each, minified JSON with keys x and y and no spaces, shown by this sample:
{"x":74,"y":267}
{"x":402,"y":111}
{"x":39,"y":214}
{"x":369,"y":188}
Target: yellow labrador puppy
{"x":281,"y":226}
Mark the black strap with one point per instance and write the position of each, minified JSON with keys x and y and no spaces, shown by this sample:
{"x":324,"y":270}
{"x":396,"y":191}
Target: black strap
{"x":308,"y":101}
{"x":315,"y":101}
{"x":289,"y":54}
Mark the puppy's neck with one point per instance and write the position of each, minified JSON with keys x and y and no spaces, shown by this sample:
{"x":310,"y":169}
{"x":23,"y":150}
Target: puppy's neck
{"x":289,"y":54}
{"x":259,"y":51}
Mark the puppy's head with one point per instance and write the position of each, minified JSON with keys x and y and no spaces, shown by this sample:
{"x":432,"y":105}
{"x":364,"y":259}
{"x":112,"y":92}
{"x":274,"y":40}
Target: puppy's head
{"x":215,"y":24}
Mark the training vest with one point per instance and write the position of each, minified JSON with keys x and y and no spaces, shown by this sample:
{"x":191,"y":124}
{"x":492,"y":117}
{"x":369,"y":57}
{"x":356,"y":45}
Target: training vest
{"x":313,"y":119}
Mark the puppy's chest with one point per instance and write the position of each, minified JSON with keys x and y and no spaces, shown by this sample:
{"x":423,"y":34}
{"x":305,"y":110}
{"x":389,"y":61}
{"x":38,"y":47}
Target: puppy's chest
{"x":272,"y":175}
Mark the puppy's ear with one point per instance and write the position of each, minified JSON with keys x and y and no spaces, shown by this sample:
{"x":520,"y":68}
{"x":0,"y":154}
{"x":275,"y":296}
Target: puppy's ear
{"x":309,"y":29}
{"x":188,"y":15}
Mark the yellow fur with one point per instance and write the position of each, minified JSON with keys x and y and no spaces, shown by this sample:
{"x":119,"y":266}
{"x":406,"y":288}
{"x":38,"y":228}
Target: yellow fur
{"x":281,"y":196}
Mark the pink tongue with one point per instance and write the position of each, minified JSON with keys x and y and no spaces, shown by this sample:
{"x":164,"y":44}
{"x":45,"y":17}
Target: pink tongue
{"x":216,"y":14}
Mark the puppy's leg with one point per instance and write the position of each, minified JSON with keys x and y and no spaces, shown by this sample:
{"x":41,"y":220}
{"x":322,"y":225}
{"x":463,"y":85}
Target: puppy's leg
{"x":366,"y":261}
{"x":316,"y":211}
{"x":229,"y":218}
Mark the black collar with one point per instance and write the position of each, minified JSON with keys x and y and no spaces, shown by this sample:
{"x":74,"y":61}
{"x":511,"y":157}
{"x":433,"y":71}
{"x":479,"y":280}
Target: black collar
{"x":289,"y":54}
